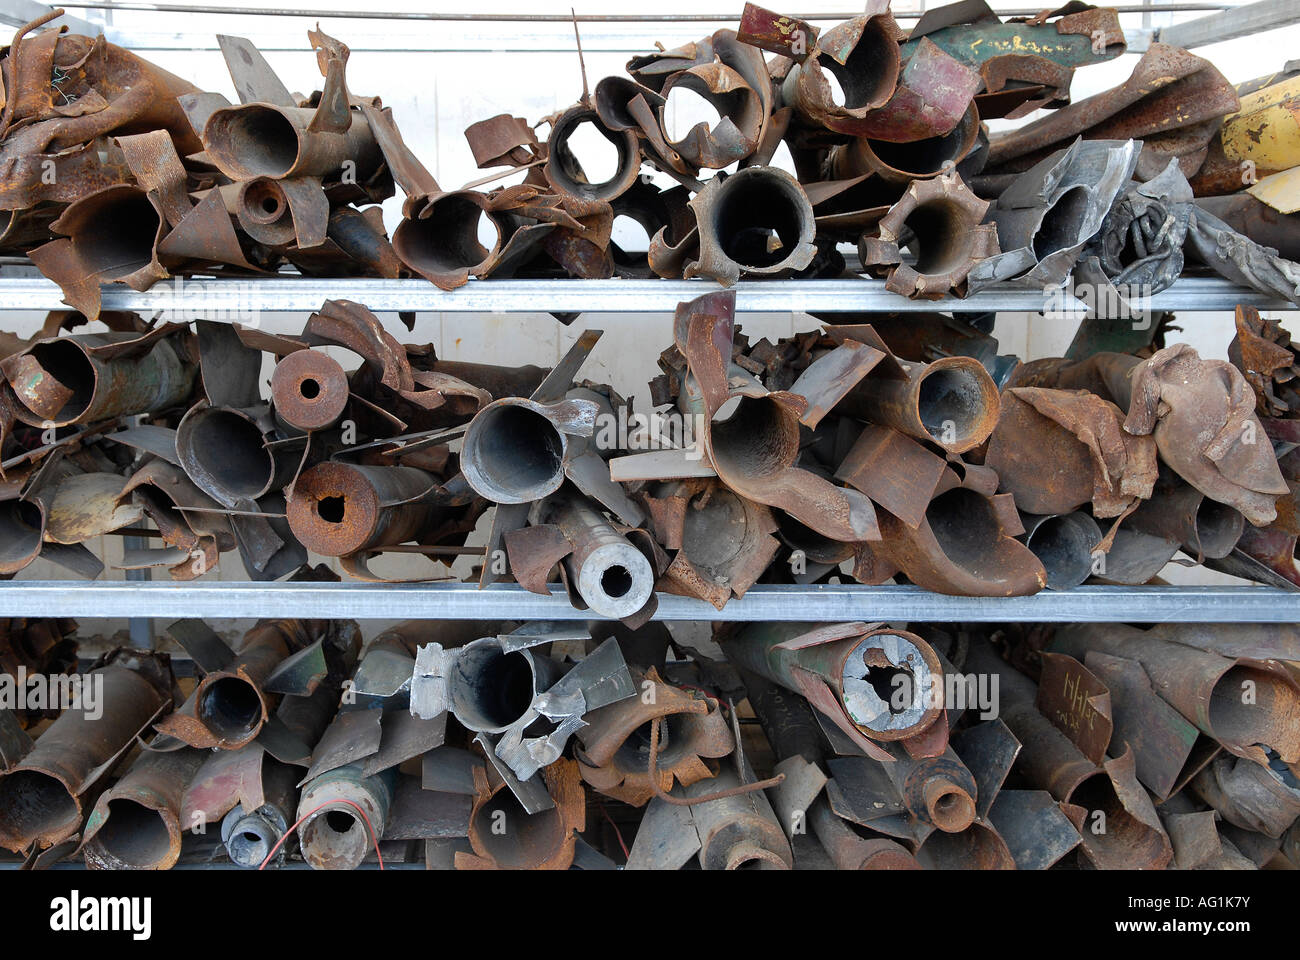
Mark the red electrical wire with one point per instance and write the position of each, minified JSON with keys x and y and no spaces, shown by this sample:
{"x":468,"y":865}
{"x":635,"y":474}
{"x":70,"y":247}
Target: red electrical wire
{"x":329,"y":803}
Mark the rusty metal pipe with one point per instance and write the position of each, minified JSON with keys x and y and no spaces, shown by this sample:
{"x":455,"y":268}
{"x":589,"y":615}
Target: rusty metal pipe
{"x":61,"y":381}
{"x":739,"y":832}
{"x":442,"y":242}
{"x":952,"y":402}
{"x":136,"y":824}
{"x":850,"y":851}
{"x":262,"y":140}
{"x":336,"y":837}
{"x":530,"y":841}
{"x":1206,"y":688}
{"x":337,"y":509}
{"x":904,"y":162}
{"x":757,"y":222}
{"x":1064,"y":544}
{"x":937,"y":790}
{"x":863,"y":57}
{"x":1179,"y":512}
{"x":42,"y":797}
{"x":849,"y":669}
{"x":309,"y":390}
{"x":224,"y":451}
{"x":978,"y":847}
{"x":564,"y":169}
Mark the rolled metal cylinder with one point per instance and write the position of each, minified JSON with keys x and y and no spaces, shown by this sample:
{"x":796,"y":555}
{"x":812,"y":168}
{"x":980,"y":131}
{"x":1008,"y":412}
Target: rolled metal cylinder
{"x":887,"y":683}
{"x":739,"y":832}
{"x":250,"y":837}
{"x":22,"y":534}
{"x":757,"y":222}
{"x":309,"y":390}
{"x":61,"y":381}
{"x":611,"y":575}
{"x":263,"y":140}
{"x":849,"y":851}
{"x":512,"y":452}
{"x":41,"y":797}
{"x":952,"y":402}
{"x":337,"y":837}
{"x":264,"y":212}
{"x":340,"y":508}
{"x":564,"y":170}
{"x":224,"y":451}
{"x":1064,"y":544}
{"x":136,"y":824}
{"x":490,"y":687}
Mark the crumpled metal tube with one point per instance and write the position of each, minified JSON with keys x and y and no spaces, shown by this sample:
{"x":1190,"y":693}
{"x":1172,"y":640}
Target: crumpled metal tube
{"x":136,"y":823}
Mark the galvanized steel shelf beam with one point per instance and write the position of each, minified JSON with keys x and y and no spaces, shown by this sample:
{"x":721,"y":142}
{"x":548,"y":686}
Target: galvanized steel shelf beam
{"x":462,"y":601}
{"x":231,"y":298}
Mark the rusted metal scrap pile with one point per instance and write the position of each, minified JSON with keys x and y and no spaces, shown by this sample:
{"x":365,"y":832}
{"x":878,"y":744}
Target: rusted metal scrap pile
{"x":467,"y":745}
{"x":115,"y":170}
{"x":860,"y":450}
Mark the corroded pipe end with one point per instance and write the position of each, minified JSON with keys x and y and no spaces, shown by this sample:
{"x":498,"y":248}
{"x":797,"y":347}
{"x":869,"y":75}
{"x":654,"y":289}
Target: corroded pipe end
{"x":134,"y":837}
{"x":442,"y":243}
{"x":231,"y":707}
{"x":490,"y":688}
{"x":263,"y":211}
{"x":252,"y":140}
{"x":309,"y":390}
{"x":336,"y":837}
{"x":35,"y":808}
{"x":512,"y":453}
{"x":1064,"y":544}
{"x":892,"y":685}
{"x":335,"y":509}
{"x":250,"y":837}
{"x":956,"y":402}
{"x":949,"y":807}
{"x":752,"y":856}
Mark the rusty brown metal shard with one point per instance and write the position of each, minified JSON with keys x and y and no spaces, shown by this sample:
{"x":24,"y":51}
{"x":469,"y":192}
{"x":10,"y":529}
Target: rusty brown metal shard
{"x":1169,"y":89}
{"x":1056,"y":450}
{"x":614,"y":758}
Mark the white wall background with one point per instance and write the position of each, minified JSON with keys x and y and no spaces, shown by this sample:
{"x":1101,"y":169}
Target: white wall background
{"x":477,"y":70}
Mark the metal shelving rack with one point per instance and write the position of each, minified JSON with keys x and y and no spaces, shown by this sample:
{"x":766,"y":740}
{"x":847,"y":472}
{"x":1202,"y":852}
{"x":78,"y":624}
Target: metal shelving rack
{"x":456,"y":600}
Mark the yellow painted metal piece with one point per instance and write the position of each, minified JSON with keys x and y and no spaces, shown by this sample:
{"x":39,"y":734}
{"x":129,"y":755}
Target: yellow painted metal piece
{"x":1266,"y":130}
{"x":1281,"y":191}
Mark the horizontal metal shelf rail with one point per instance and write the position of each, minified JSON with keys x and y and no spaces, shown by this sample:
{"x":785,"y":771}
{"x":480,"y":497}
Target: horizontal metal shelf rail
{"x":292,"y":295}
{"x":465,"y":601}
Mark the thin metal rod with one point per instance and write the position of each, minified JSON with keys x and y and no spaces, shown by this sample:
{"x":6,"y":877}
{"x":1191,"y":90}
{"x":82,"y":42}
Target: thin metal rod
{"x":453,"y":600}
{"x":556,"y":17}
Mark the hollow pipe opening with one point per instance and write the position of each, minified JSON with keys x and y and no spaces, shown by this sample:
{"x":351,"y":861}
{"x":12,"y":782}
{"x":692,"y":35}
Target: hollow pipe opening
{"x":512,"y":454}
{"x":230,"y":707}
{"x":252,"y":141}
{"x":489,"y":688}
